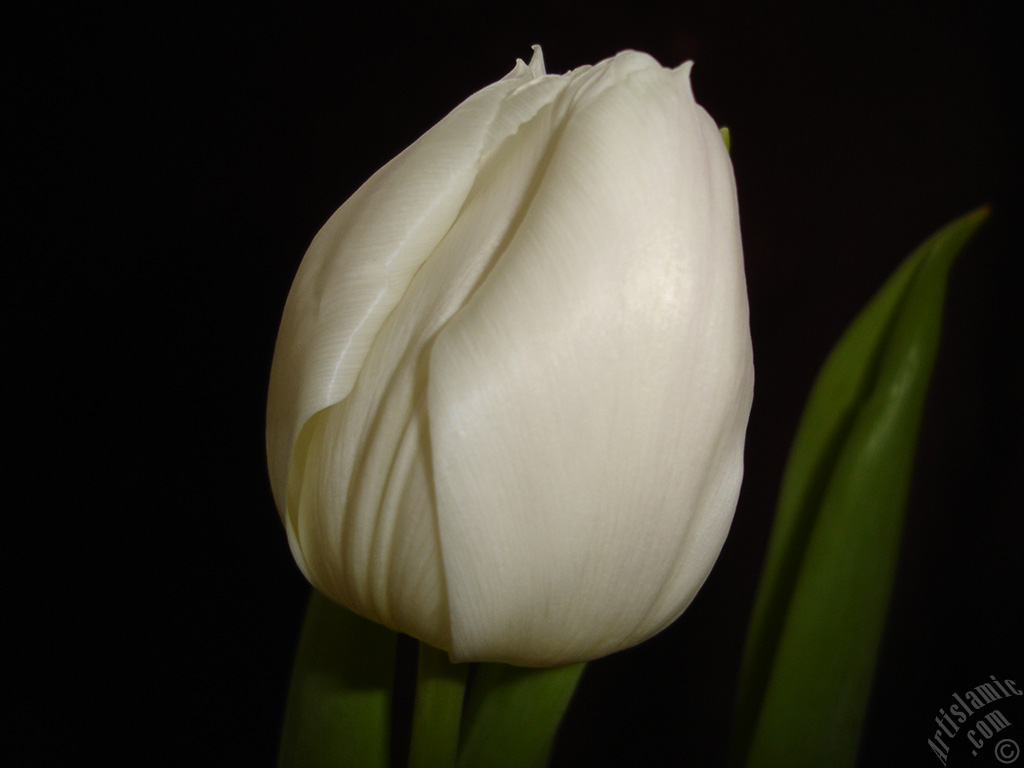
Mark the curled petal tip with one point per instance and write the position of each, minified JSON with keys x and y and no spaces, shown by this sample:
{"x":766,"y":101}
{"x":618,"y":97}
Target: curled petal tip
{"x":537,"y":62}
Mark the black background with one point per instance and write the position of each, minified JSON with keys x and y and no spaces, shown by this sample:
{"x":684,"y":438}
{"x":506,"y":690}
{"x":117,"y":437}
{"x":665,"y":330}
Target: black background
{"x":179,"y":162}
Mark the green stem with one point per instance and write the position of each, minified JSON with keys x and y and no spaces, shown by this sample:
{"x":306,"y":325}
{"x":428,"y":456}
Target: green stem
{"x":339,"y":703}
{"x":513,"y":713}
{"x":437,"y":712}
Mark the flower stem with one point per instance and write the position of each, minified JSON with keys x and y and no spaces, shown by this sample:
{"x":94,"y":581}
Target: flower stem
{"x":513,"y":714}
{"x":437,"y":712}
{"x":339,"y":702}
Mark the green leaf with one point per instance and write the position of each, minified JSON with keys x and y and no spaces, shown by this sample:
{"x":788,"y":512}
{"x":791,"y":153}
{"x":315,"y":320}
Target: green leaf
{"x":513,"y":714}
{"x":339,"y":702}
{"x":821,"y":605}
{"x":440,"y":690}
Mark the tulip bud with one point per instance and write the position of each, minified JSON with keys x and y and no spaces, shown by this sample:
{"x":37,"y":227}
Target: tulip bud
{"x":511,"y":385}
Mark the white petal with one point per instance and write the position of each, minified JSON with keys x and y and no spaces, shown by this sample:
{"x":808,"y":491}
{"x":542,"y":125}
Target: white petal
{"x":360,"y":499}
{"x":361,"y":263}
{"x":587,"y":406}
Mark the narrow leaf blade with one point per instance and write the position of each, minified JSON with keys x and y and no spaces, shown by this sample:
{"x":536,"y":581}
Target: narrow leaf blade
{"x":829,"y":570}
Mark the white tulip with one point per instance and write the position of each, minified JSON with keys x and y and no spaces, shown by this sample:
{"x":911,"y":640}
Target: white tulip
{"x":511,"y":386}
